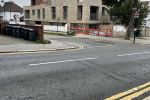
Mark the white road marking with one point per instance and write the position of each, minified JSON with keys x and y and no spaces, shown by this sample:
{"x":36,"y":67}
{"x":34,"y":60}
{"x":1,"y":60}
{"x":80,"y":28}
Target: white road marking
{"x":63,"y":61}
{"x":133,"y":54}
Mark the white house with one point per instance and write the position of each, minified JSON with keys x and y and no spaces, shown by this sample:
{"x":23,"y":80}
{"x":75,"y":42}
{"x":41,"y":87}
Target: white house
{"x":8,"y":10}
{"x":147,"y":24}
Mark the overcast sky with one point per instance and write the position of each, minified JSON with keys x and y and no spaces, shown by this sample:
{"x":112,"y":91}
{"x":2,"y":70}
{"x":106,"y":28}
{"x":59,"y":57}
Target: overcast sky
{"x":21,"y":3}
{"x":28,"y":3}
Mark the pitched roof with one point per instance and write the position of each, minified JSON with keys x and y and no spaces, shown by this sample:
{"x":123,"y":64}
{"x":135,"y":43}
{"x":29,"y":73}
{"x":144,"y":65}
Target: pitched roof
{"x":144,"y":2}
{"x":11,"y":6}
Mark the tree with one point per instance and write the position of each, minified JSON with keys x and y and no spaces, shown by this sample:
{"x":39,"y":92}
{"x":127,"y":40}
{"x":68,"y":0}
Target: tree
{"x":131,"y":21}
{"x":111,"y":3}
{"x":121,"y":12}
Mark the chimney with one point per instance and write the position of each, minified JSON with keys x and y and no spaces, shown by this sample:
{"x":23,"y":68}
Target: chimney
{"x":2,"y":3}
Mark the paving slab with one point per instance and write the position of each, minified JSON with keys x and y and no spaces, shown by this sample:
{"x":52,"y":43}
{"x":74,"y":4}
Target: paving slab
{"x":141,"y":41}
{"x":11,"y":44}
{"x":12,"y":40}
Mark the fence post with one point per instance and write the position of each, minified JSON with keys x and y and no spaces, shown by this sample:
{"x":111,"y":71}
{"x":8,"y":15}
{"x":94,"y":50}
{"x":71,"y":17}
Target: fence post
{"x":87,"y":30}
{"x":77,"y":29}
{"x":111,"y":33}
{"x":68,"y":28}
{"x":98,"y":32}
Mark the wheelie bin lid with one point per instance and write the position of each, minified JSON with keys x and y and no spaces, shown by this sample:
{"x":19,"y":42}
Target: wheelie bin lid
{"x":8,"y":25}
{"x":30,"y":29}
{"x":18,"y":26}
{"x":14,"y":26}
{"x":22,"y":27}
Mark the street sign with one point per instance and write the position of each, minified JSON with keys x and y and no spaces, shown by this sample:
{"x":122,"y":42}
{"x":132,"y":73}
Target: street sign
{"x":16,"y":16}
{"x":58,"y":19}
{"x":134,"y":8}
{"x":136,"y":14}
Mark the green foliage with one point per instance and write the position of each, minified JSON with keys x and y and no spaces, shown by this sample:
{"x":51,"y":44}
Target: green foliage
{"x":38,"y":40}
{"x":47,"y":42}
{"x":60,"y":34}
{"x":122,"y":14}
{"x":111,"y":3}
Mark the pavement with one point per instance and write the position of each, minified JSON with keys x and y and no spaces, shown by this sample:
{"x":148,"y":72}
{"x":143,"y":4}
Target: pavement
{"x":138,"y":41}
{"x":11,"y":44}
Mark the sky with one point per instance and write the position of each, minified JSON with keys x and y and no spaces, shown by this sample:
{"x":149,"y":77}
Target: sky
{"x":22,"y":3}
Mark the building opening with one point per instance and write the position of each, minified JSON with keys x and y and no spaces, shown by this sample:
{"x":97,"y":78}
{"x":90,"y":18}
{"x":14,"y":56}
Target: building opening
{"x":94,"y":13}
{"x":38,"y":22}
{"x":93,"y":26}
{"x":79,"y":15}
{"x":27,"y":13}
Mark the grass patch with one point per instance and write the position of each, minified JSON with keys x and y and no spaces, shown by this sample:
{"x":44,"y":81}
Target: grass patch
{"x":60,"y":34}
{"x":38,"y":40}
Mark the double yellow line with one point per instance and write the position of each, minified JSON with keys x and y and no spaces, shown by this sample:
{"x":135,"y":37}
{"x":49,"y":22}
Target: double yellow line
{"x":134,"y":95}
{"x":80,"y":46}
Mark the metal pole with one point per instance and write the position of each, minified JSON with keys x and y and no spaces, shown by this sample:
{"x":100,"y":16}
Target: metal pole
{"x":57,"y":27}
{"x":135,"y":30}
{"x":10,"y":9}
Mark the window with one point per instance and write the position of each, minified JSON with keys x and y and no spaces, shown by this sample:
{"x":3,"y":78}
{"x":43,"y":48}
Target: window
{"x":21,"y":13}
{"x":94,"y":12}
{"x":52,"y":23}
{"x":27,"y":13}
{"x":80,"y":0}
{"x":39,"y":13}
{"x":79,"y":15}
{"x":53,"y":13}
{"x":33,"y":12}
{"x":65,"y":9}
{"x":44,"y":0}
{"x":49,"y":1}
{"x":43,"y":13}
{"x":103,"y":10}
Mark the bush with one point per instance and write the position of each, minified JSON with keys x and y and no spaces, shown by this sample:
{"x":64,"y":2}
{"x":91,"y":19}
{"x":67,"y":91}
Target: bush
{"x":38,"y":40}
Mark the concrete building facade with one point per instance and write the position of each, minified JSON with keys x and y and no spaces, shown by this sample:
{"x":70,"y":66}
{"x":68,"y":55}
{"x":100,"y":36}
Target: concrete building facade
{"x":81,"y":13}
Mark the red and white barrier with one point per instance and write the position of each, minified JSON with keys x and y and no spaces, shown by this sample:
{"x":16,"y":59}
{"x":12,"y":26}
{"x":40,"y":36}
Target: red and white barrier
{"x":96,"y":31}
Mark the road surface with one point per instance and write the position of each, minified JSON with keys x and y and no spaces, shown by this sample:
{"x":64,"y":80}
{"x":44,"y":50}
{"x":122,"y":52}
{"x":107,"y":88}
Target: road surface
{"x":97,"y":72}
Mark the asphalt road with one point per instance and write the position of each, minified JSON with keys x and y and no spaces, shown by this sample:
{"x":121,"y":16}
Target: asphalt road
{"x":97,"y":72}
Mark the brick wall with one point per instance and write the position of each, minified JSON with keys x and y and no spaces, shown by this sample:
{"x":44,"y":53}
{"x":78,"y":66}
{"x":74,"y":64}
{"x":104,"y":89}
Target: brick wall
{"x":2,"y":25}
{"x":36,"y":2}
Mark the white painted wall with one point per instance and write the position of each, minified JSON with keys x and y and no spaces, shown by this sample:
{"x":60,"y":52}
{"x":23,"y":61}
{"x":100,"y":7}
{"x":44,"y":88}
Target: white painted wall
{"x":6,"y":15}
{"x":18,"y":22}
{"x":119,"y":28}
{"x":54,"y":28}
{"x":119,"y":31}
